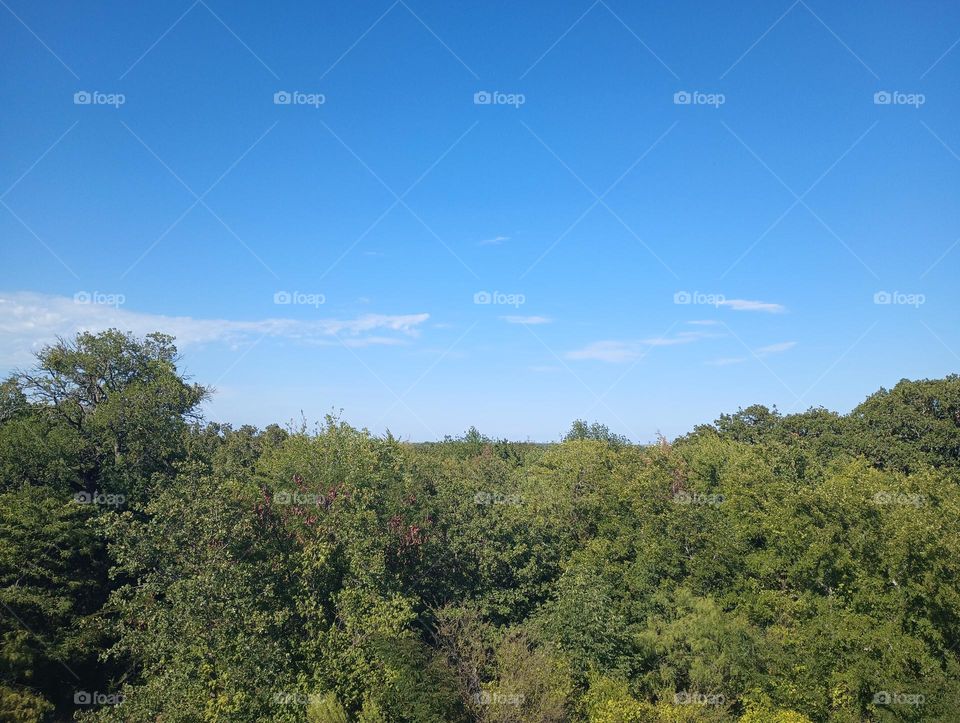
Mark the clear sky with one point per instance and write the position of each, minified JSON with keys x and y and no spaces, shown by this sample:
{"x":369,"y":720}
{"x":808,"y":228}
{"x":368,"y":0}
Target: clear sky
{"x":583,"y":167}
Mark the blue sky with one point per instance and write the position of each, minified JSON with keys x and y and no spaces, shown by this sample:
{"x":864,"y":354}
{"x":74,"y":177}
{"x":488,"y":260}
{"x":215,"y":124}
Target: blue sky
{"x":673,"y":208}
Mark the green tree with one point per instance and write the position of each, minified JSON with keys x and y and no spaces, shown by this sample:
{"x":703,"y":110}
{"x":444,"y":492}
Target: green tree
{"x":123,"y":398}
{"x":52,"y":585}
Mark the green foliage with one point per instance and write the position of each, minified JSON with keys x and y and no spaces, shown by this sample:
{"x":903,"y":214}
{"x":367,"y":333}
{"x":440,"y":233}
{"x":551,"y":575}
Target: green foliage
{"x":914,"y":424}
{"x":766,"y":568}
{"x":502,"y":674}
{"x":117,"y":404}
{"x":52,"y":577}
{"x":580,"y":430}
{"x":326,"y":709}
{"x":23,"y":706}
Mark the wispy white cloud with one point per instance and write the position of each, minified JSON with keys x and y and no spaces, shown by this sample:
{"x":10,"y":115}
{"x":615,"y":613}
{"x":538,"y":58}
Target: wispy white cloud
{"x":608,"y":351}
{"x":704,"y":322}
{"x":28,"y":321}
{"x":617,"y":352}
{"x":775,"y":348}
{"x":668,"y":341}
{"x":726,"y":361}
{"x":693,"y":335}
{"x":495,"y":241}
{"x":749,"y":305}
{"x":761,"y":352}
{"x":526,"y":319}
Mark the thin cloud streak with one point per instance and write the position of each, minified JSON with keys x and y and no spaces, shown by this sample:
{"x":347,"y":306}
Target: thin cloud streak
{"x":28,"y":321}
{"x":763,"y":351}
{"x":776,"y":348}
{"x":495,"y":241}
{"x":750,"y":305}
{"x":526,"y":319}
{"x":619,"y":352}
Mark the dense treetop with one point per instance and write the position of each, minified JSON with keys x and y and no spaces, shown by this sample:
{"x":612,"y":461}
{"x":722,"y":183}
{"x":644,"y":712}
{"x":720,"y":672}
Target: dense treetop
{"x":764,"y":568}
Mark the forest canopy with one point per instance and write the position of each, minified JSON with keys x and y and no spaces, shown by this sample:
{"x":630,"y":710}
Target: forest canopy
{"x":764,"y":568}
